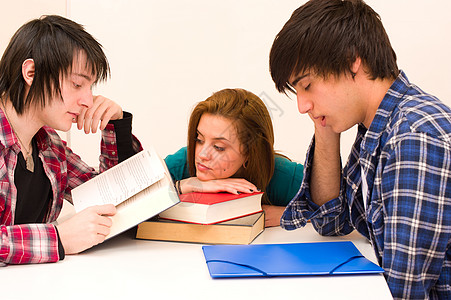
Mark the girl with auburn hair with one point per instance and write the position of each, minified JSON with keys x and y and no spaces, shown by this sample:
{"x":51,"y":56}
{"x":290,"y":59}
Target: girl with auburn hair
{"x":230,"y":149}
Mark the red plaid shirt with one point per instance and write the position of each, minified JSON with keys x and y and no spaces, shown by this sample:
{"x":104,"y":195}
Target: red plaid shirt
{"x":38,"y":243}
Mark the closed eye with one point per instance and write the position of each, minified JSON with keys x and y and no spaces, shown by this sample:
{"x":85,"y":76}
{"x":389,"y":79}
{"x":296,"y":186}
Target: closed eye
{"x":219,"y":148}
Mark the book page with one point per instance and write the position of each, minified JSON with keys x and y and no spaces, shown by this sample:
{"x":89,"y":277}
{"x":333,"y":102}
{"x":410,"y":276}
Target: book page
{"x":144,"y":205}
{"x":149,"y":191}
{"x":120,"y":182}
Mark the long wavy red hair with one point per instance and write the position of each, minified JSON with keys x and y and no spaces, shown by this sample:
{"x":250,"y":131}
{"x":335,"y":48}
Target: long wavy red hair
{"x":254,"y":127}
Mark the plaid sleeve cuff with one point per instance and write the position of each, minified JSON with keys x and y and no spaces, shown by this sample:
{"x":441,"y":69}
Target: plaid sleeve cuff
{"x":29,"y":243}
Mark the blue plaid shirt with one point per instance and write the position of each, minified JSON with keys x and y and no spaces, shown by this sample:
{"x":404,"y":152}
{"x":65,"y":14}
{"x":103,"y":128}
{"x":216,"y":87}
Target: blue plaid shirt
{"x":405,"y":157}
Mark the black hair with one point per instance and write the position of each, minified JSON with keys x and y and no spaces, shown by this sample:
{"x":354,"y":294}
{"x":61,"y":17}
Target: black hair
{"x":52,"y":42}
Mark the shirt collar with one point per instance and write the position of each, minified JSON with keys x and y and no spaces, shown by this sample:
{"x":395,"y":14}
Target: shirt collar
{"x":388,"y":104}
{"x":7,"y":137}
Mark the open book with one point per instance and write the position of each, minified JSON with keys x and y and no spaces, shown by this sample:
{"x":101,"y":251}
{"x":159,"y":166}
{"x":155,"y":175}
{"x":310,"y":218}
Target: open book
{"x":140,"y":188}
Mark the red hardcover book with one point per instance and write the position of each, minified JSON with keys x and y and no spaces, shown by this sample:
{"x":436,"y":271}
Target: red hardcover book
{"x":211,"y":208}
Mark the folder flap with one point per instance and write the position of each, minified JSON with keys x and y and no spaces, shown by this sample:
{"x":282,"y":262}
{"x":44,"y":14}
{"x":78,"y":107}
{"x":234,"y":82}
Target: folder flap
{"x":325,"y":258}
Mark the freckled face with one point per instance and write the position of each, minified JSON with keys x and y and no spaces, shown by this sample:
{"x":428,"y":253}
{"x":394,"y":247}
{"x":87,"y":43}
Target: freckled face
{"x":218,"y":150}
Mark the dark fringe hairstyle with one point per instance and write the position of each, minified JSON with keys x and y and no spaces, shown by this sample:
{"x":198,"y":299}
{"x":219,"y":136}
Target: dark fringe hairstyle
{"x":52,"y":42}
{"x":326,"y":36}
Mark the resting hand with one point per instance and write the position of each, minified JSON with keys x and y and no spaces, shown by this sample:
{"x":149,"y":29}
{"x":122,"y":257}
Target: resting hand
{"x":272,"y":214}
{"x":326,"y":167}
{"x":231,"y":185}
{"x":86,"y":229}
{"x":101,"y":112}
{"x":324,"y":132}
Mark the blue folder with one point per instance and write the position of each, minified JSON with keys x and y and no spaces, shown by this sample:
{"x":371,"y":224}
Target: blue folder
{"x":267,"y":260}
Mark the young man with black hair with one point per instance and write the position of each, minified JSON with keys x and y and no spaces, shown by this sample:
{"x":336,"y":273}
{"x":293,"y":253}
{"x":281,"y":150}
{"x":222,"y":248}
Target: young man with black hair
{"x":46,"y":77}
{"x":396,"y":186}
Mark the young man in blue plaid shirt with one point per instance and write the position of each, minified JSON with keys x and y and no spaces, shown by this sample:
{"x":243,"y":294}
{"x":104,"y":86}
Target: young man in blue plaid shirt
{"x":396,"y":186}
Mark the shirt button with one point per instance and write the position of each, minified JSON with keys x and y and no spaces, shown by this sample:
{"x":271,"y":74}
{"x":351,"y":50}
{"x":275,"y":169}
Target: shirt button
{"x":113,"y":142}
{"x":111,"y":131}
{"x":113,"y":152}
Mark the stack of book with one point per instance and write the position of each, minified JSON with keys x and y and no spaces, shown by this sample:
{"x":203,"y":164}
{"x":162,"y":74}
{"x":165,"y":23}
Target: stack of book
{"x":209,"y":218}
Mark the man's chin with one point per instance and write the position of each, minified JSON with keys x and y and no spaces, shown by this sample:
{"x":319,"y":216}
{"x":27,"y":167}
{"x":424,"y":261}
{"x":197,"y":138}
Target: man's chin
{"x":63,"y":128}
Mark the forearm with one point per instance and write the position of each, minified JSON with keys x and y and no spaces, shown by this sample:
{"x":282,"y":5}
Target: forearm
{"x":230,"y":185}
{"x":273,"y":214}
{"x":188,"y":185}
{"x":326,"y":168}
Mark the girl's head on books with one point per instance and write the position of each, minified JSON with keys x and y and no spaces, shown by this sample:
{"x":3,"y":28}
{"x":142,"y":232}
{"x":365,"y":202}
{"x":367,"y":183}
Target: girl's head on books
{"x":230,"y":134}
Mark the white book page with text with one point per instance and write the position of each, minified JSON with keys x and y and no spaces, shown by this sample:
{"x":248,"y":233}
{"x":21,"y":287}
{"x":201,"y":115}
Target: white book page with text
{"x":120,"y":182}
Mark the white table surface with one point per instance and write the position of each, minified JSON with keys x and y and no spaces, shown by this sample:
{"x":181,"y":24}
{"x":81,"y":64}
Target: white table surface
{"x":125,"y":268}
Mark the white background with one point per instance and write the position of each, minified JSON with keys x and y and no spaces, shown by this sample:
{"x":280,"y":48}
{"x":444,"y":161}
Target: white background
{"x":166,"y":56}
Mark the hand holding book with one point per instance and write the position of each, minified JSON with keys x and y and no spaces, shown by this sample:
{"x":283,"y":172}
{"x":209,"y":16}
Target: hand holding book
{"x":86,"y":229}
{"x":140,"y":188}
